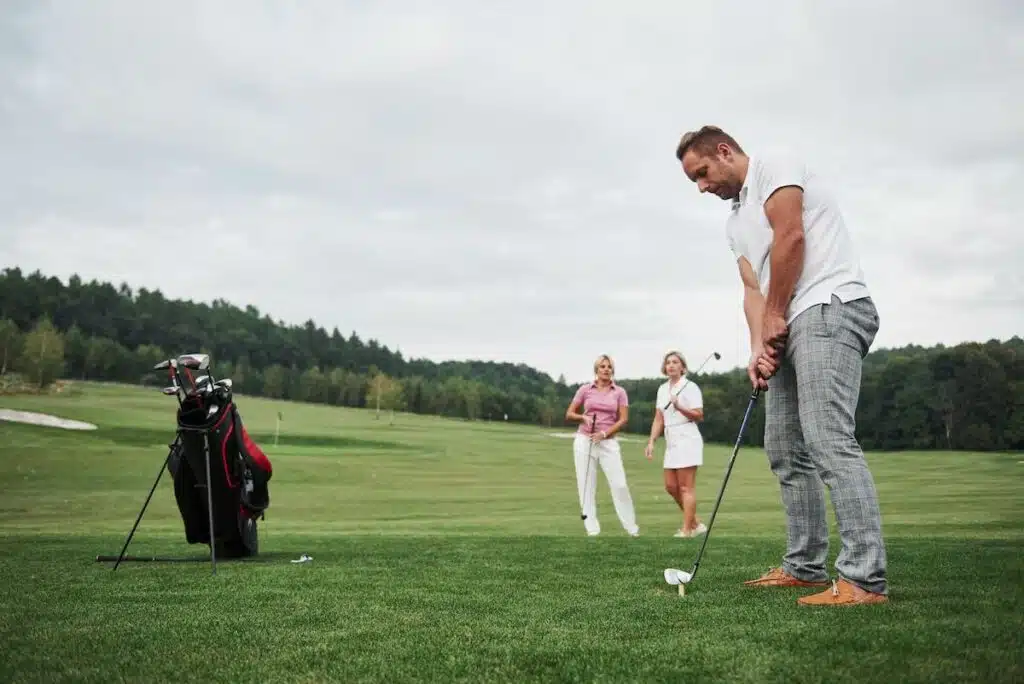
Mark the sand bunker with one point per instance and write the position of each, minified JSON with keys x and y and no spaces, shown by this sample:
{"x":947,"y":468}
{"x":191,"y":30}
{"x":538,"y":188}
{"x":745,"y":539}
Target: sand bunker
{"x":44,"y":419}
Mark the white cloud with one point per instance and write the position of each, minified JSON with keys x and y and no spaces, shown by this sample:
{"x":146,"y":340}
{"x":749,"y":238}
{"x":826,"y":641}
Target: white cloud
{"x":461,"y":181}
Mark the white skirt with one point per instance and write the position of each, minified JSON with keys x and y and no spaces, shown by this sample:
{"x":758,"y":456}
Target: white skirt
{"x":684,"y":446}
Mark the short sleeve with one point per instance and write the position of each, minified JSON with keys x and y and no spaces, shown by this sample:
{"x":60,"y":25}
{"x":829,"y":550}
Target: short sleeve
{"x":779,"y":171}
{"x":578,"y":397}
{"x":623,"y":397}
{"x":696,"y":397}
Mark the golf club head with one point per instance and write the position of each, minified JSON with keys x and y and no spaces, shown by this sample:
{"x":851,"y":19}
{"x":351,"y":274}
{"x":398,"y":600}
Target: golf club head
{"x":674,"y":576}
{"x":223,"y":389}
{"x":718,"y":357}
{"x":166,"y":363}
{"x":170,"y":391}
{"x":195,"y":361}
{"x":188,"y":383}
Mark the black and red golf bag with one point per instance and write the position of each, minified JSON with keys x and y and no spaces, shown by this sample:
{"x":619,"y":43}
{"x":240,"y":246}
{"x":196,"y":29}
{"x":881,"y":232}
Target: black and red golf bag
{"x":213,"y":446}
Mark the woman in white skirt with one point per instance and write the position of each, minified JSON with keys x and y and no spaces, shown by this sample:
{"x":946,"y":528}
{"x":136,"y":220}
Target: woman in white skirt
{"x":679,"y":407}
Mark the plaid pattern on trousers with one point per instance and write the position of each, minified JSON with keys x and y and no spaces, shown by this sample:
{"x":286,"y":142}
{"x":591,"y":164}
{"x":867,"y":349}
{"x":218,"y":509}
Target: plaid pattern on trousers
{"x":810,"y":411}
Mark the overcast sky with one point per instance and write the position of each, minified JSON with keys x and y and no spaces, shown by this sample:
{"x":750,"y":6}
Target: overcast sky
{"x":460,"y":181}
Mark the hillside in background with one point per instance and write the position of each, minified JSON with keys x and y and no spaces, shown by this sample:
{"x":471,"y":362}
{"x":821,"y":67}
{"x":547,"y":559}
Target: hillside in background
{"x":970,"y":396}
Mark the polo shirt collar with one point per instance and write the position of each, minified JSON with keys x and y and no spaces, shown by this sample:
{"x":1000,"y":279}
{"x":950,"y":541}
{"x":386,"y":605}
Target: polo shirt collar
{"x":745,"y":190}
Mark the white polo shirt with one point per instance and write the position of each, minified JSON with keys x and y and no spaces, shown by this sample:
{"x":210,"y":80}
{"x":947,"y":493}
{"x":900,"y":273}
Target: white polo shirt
{"x":831,"y":263}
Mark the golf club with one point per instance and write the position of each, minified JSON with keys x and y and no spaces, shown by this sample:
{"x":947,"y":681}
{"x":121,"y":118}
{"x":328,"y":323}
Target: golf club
{"x":175,"y":388}
{"x":172,"y":391}
{"x":195,"y":361}
{"x":174,"y":373}
{"x":586,"y":477}
{"x":687,"y":381}
{"x":680,"y":577}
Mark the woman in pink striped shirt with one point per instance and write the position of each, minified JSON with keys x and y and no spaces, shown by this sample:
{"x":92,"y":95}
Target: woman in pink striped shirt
{"x":602,"y":409}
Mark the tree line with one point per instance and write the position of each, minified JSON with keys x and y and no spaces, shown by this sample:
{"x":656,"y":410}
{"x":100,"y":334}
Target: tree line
{"x":969,"y":396}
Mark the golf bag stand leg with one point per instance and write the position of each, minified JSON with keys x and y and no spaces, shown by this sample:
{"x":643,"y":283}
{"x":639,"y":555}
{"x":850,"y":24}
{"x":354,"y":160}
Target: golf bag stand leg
{"x":209,"y":506}
{"x":163,"y":466}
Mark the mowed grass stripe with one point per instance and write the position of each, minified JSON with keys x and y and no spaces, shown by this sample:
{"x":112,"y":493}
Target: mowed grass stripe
{"x":403,"y":608}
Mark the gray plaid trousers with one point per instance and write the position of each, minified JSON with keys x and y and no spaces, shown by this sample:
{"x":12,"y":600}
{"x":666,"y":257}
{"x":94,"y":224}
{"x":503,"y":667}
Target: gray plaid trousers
{"x":810,"y":412}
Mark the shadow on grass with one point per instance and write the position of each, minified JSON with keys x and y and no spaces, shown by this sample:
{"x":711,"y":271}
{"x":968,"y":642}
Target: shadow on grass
{"x":145,"y":437}
{"x":132,"y":558}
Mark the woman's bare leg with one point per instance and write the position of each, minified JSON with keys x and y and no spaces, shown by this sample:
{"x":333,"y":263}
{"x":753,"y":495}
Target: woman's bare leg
{"x":687,"y":478}
{"x":674,"y":488}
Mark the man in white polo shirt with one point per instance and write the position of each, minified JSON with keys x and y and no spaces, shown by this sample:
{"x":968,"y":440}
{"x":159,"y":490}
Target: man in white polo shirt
{"x":811,"y":321}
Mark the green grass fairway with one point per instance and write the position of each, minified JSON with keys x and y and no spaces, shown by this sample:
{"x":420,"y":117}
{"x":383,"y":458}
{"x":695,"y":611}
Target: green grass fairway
{"x":453,"y":551}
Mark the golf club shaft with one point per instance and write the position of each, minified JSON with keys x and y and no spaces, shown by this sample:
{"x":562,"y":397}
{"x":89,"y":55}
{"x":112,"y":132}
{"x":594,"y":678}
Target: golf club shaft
{"x":721,"y":490}
{"x":586,"y":476}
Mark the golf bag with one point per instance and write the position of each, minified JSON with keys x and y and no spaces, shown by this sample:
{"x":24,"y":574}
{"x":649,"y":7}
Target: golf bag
{"x":239,"y":473}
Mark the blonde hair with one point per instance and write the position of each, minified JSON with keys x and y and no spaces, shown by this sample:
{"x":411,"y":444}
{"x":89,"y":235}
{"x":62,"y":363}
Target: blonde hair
{"x":664,"y":361}
{"x":604,"y":357}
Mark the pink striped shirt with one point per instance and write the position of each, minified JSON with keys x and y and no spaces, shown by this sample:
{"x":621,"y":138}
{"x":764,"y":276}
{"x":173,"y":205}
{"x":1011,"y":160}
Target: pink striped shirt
{"x":602,"y":403}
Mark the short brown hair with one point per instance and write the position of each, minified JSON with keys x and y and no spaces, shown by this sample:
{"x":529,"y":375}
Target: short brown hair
{"x":664,"y":361}
{"x":704,"y":141}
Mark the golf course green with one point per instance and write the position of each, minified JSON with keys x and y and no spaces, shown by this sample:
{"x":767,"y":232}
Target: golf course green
{"x":448,"y":550}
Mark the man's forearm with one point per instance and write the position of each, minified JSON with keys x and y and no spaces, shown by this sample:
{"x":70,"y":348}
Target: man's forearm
{"x":753,"y":309}
{"x":787,"y":259}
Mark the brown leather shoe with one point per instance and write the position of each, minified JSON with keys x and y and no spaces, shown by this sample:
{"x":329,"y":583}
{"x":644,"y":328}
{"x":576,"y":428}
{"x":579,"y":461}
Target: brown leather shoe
{"x":843,"y":593}
{"x":777,"y":577}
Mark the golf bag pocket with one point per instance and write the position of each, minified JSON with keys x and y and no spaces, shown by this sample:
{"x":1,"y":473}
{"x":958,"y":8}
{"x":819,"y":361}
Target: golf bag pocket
{"x":252,"y":466}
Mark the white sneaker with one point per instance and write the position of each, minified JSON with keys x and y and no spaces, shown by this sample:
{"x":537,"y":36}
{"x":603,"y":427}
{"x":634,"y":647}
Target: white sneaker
{"x":695,"y":532}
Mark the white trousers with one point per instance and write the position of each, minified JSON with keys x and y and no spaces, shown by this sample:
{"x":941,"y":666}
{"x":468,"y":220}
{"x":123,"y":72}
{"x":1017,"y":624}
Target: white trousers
{"x":606,"y":455}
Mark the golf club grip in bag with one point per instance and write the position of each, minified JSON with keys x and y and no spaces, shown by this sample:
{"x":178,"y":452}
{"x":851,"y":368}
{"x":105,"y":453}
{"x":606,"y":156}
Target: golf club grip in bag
{"x":239,"y":474}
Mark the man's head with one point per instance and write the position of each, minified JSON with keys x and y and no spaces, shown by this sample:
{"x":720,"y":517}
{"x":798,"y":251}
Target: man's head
{"x":713,"y":160}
